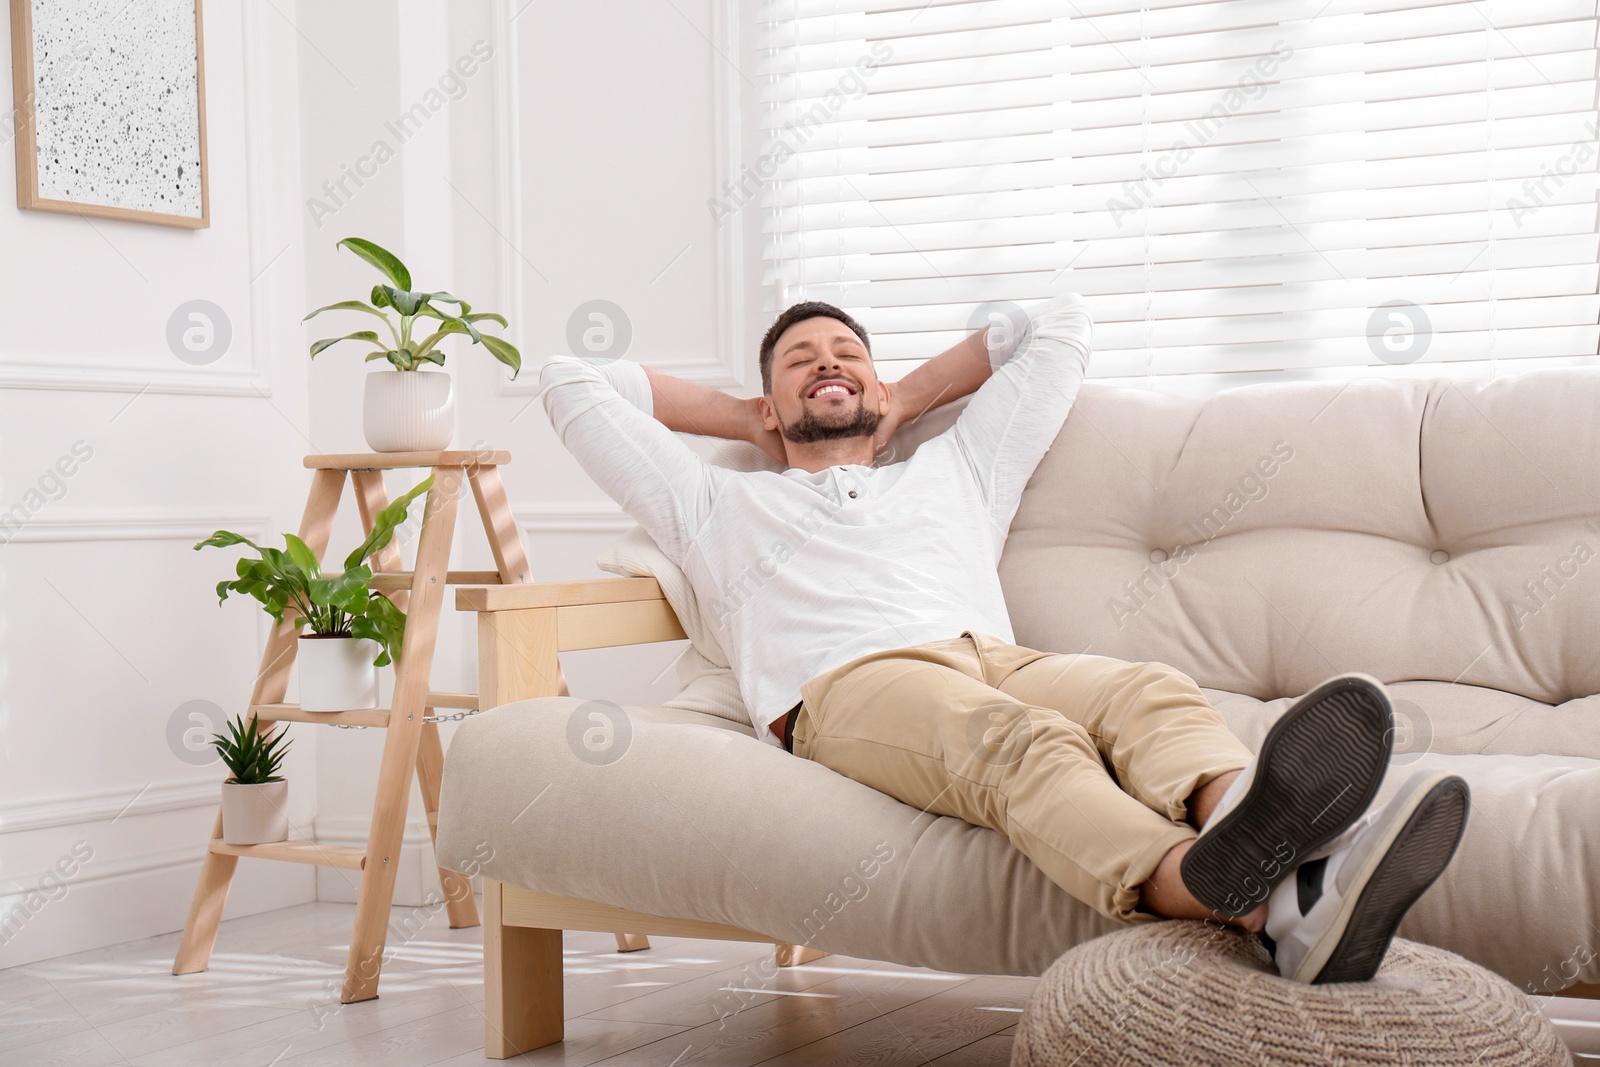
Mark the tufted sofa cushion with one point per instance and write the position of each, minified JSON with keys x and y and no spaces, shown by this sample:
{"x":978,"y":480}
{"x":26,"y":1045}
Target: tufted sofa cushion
{"x":1264,"y":538}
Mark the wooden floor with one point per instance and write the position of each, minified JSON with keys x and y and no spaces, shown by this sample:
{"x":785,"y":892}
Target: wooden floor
{"x":271,"y":998}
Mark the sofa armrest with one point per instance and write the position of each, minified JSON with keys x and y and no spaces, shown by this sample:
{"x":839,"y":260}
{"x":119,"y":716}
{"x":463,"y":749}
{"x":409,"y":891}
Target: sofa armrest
{"x":521,"y":628}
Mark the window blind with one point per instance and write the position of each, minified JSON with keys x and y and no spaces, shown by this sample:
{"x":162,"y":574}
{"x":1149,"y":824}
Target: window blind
{"x":1237,"y":186}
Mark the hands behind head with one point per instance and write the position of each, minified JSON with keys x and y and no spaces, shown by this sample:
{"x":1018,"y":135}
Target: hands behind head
{"x":888,"y":424}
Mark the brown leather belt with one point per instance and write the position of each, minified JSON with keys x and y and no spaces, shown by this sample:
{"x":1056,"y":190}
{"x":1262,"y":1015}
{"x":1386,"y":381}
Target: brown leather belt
{"x":786,"y":727}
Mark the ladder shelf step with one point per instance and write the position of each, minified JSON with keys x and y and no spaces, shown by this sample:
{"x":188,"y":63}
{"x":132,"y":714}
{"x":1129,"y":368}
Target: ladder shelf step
{"x":358,"y":716}
{"x":386,"y":461}
{"x":390,"y":581}
{"x":347,"y":856}
{"x":293,"y":713}
{"x":411,"y":752}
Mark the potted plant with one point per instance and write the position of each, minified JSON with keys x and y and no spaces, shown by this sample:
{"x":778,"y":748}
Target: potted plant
{"x":354,"y":630}
{"x":254,"y":799}
{"x":409,"y":409}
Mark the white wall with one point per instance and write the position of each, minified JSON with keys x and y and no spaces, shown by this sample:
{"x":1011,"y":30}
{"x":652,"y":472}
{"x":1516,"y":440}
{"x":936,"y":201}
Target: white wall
{"x":359,"y":178}
{"x":616,"y":133}
{"x":108,"y":623}
{"x":572,"y":163}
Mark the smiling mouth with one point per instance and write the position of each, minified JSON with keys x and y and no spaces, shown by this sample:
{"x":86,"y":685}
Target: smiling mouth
{"x":831,"y":389}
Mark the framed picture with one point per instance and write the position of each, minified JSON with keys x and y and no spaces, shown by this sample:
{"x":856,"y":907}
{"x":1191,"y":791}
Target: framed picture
{"x":111,"y":109}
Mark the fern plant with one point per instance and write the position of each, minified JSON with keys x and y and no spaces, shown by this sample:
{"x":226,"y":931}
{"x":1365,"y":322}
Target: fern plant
{"x":252,"y":758}
{"x":404,"y":349}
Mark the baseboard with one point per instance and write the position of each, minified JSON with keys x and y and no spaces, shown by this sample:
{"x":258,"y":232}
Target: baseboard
{"x":416,"y":880}
{"x":1577,"y":1021}
{"x":88,"y":870}
{"x":113,"y":902}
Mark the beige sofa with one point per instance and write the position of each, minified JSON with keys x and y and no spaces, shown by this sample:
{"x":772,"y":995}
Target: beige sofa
{"x":1442,"y":535}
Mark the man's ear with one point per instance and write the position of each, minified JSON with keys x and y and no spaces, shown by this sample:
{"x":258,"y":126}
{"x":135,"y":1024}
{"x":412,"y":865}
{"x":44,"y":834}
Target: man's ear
{"x":769,"y":413}
{"x":883,"y":398}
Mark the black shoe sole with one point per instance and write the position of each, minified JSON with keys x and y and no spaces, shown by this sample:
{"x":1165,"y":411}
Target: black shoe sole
{"x":1319,"y":768}
{"x":1420,"y":853}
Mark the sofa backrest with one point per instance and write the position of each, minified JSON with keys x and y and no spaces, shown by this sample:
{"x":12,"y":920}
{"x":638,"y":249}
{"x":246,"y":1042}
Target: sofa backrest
{"x":1268,"y":536}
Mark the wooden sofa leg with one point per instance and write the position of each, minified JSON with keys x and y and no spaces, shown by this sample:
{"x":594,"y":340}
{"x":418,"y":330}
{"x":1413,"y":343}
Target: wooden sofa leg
{"x":522,"y":995}
{"x":632,"y":942}
{"x":795,"y":955}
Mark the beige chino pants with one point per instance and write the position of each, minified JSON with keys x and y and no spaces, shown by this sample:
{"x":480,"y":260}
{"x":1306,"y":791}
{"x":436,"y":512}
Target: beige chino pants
{"x":1084,"y":762}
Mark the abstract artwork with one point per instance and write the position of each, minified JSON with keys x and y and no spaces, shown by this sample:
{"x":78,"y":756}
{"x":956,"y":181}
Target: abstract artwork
{"x":110,"y":109}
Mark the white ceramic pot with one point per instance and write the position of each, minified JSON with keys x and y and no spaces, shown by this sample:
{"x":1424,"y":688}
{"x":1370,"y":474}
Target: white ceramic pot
{"x":255,"y":814}
{"x":336,"y":673}
{"x":408,"y":411}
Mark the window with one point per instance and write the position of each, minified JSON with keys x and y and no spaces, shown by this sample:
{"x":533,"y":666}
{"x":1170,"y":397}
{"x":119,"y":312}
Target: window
{"x":1241,"y":188}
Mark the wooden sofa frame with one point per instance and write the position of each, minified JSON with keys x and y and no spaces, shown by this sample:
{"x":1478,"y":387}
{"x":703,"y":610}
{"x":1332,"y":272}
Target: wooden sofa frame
{"x":521,"y":629}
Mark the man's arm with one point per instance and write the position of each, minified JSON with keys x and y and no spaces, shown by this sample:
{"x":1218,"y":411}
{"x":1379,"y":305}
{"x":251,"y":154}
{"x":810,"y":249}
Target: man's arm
{"x":603,"y":414}
{"x":1008,"y":426}
{"x":691,"y":408}
{"x":956,"y":372}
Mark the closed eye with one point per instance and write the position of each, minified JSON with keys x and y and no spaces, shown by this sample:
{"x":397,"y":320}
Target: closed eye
{"x":846,"y":353}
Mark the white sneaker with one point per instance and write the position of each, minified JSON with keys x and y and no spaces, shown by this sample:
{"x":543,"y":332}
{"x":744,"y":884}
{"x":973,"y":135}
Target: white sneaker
{"x":1317,"y":771}
{"x":1333,"y":921}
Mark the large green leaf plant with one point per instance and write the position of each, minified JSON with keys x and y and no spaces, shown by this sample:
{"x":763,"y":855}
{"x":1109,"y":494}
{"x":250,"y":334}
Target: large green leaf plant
{"x":407,"y":351}
{"x":340,"y":605}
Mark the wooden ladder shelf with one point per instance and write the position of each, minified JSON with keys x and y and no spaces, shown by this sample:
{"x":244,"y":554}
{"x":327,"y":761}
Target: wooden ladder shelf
{"x":411,"y":744}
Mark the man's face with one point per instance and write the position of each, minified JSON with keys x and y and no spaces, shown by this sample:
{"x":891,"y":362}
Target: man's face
{"x":823,"y":384}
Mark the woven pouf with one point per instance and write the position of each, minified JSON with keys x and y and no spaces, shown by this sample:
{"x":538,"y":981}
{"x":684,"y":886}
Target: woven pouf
{"x":1192,"y":994}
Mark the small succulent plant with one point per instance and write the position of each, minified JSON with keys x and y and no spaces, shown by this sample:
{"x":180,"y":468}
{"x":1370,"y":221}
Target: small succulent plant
{"x":252,"y":758}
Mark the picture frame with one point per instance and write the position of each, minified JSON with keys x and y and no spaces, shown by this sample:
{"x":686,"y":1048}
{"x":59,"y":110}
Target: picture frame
{"x":145,"y":180}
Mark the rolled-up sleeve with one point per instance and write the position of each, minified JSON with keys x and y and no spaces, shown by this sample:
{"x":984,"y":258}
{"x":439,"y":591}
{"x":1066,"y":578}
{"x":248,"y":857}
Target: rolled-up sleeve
{"x":1014,"y":417}
{"x":604,"y":414}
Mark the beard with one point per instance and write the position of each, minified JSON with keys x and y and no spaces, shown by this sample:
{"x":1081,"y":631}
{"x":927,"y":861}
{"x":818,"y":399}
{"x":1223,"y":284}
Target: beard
{"x":810,"y":427}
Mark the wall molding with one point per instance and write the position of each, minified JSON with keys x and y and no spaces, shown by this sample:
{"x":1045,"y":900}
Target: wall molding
{"x":571,"y":518}
{"x":99,"y":805}
{"x":508,"y":177}
{"x":132,"y":524}
{"x":25,"y":372}
{"x":727,"y":125}
{"x":723,"y":370}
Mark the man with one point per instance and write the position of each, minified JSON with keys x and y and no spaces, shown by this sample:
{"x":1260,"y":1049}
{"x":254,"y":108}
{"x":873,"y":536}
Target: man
{"x":839,"y":586}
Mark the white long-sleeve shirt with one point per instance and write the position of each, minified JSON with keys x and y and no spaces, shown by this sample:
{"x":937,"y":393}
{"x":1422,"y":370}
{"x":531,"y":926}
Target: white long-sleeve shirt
{"x":802,"y":571}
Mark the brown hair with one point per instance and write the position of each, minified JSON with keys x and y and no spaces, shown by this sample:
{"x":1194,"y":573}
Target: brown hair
{"x":810,"y":309}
